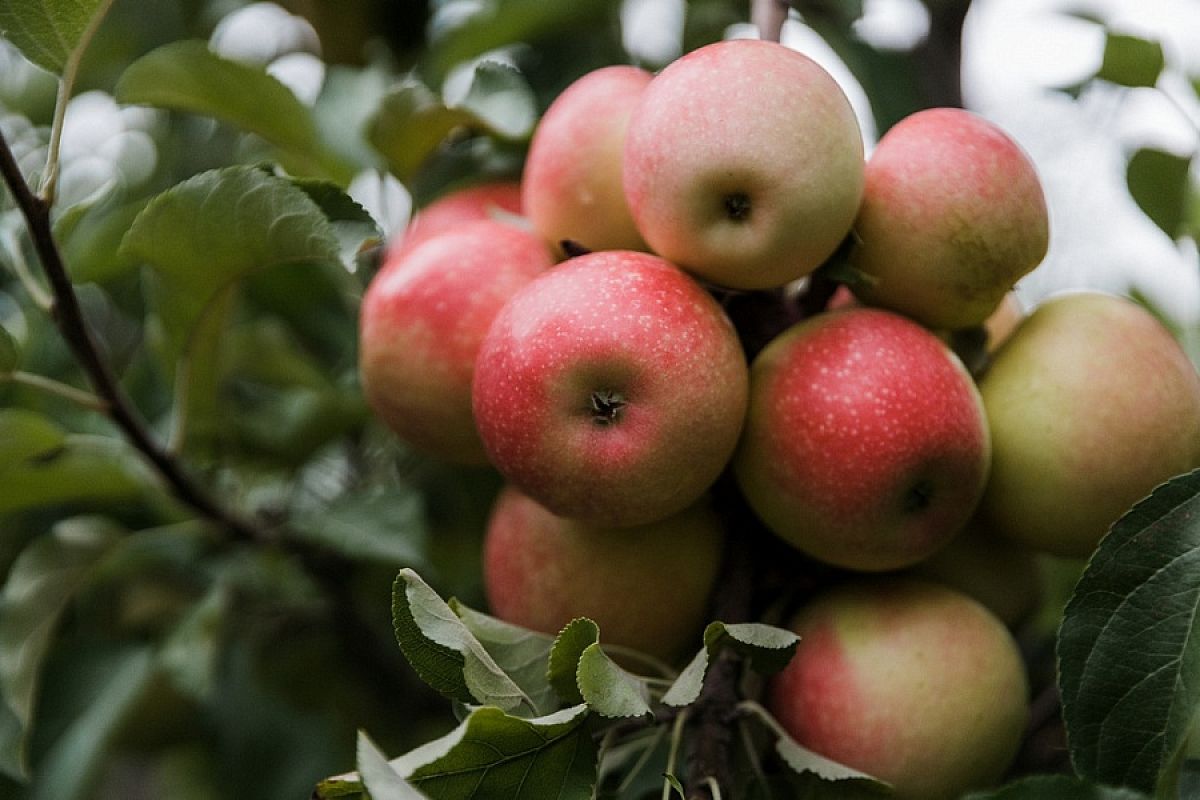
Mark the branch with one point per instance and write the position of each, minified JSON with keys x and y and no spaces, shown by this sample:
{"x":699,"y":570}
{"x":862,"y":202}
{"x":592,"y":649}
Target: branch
{"x":68,"y":318}
{"x":938,"y":59}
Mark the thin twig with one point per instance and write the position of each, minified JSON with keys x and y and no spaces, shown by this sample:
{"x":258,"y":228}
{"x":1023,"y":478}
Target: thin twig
{"x":57,"y":388}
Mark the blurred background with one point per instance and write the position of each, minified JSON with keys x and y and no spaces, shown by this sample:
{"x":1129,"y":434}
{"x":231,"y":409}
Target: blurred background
{"x":144,"y":654}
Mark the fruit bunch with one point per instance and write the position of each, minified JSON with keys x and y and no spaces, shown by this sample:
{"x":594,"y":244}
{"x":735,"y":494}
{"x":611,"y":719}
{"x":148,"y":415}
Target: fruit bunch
{"x":574,"y":330}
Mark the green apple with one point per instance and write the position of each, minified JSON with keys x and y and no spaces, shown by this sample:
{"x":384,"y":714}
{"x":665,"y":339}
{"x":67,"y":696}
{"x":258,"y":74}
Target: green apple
{"x":910,"y":682}
{"x":1092,"y":403}
{"x":647,"y":586}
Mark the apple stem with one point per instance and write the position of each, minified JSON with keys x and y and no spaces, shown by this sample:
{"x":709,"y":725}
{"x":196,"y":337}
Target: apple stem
{"x":606,"y":405}
{"x":768,"y":16}
{"x":737,"y":206}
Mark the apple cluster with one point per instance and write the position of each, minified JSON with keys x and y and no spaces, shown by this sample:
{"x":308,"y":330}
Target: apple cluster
{"x":569,"y":330}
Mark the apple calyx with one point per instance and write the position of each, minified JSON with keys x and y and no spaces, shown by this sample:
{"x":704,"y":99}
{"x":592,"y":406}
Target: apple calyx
{"x":737,"y":206}
{"x":605,"y":406}
{"x":918,"y":497}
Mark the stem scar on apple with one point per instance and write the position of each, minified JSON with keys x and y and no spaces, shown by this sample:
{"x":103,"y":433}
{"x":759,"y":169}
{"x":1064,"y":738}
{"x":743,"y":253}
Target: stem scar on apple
{"x":572,"y":248}
{"x":606,"y":405}
{"x":737,"y":206}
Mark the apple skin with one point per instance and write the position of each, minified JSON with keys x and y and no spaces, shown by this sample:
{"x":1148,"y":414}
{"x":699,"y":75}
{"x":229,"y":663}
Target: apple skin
{"x":744,"y":164}
{"x":953,"y":214}
{"x":571,"y":187}
{"x":472,"y":204}
{"x":910,"y":682}
{"x":1092,"y":403}
{"x":647,"y":587}
{"x":865,"y":443}
{"x":422,"y":320}
{"x":611,"y":389}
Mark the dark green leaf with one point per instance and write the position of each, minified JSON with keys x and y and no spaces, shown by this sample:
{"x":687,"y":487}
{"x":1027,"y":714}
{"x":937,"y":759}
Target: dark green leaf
{"x":188,"y":76}
{"x":1158,"y":182}
{"x":378,"y":777}
{"x":444,"y":652}
{"x":492,"y":754}
{"x":380,"y":524}
{"x":1131,"y":60}
{"x":523,"y":654}
{"x":10,"y":354}
{"x":46,"y":31}
{"x":410,"y":124}
{"x":675,"y":785}
{"x":40,"y":584}
{"x":189,"y":656}
{"x":607,"y":689}
{"x":802,"y":760}
{"x":562,"y":672}
{"x":1129,"y":645}
{"x":1056,"y":787}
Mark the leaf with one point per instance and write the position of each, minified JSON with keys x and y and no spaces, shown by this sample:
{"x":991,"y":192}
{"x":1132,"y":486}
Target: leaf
{"x":378,"y":777}
{"x":804,"y":761}
{"x":1158,"y":182}
{"x":10,"y":354}
{"x":500,"y":97}
{"x":607,"y":689}
{"x":189,"y":656}
{"x":1130,"y":60}
{"x":523,"y":654}
{"x":40,"y":584}
{"x":492,"y":754}
{"x":385,"y":525}
{"x":563,"y":669}
{"x":767,"y":648}
{"x":1056,"y":787}
{"x":1129,"y":644}
{"x":47,"y":31}
{"x":188,"y":76}
{"x":444,"y":652}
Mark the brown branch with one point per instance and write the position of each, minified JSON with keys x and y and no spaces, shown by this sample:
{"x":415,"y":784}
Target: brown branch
{"x":938,"y":59}
{"x":69,"y":319}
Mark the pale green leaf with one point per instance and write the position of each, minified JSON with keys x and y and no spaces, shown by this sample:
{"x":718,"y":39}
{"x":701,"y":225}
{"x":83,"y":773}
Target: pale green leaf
{"x":523,"y":654}
{"x":563,"y":668}
{"x":607,"y":689}
{"x":47,"y":31}
{"x":803,"y":761}
{"x":378,"y":777}
{"x":766,"y":647}
{"x":1129,"y":645}
{"x":500,"y":97}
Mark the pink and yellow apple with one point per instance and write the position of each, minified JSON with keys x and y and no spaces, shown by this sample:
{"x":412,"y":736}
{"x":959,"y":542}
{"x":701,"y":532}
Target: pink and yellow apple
{"x":571,"y":187}
{"x":952,"y":216}
{"x":611,"y":389}
{"x":865,"y":444}
{"x":910,"y":682}
{"x":472,"y":204}
{"x":421,"y":323}
{"x":744,"y":164}
{"x":647,"y":587}
{"x":1092,"y":403}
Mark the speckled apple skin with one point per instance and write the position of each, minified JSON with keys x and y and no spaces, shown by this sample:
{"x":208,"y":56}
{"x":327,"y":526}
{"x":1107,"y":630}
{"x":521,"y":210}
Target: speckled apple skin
{"x":472,"y":204}
{"x":953,"y":214}
{"x":647,"y":587}
{"x":613,"y":321}
{"x":849,"y":412}
{"x":910,"y":682}
{"x":1092,"y":403}
{"x":421,"y":323}
{"x":571,"y":186}
{"x":753,"y":118}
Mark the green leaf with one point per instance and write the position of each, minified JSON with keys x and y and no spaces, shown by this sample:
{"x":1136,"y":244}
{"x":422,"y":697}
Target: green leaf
{"x":40,"y":584}
{"x":523,"y":654}
{"x":1158,"y":182}
{"x":1129,"y":645}
{"x":1056,"y":787}
{"x":47,"y":31}
{"x":188,"y":76}
{"x":378,"y":777}
{"x":607,"y":689}
{"x":803,"y":761}
{"x":767,"y":648}
{"x":385,"y":525}
{"x":492,"y":754}
{"x":10,"y":353}
{"x":687,"y":686}
{"x":1131,"y":60}
{"x":189,"y":656}
{"x":563,"y":669}
{"x":444,"y":652}
{"x":500,"y":97}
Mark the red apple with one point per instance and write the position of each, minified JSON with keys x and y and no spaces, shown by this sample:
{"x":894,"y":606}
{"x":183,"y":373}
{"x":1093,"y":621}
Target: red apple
{"x":474,"y":203}
{"x":744,"y":164}
{"x":952,"y":215}
{"x":865,"y":444}
{"x":422,"y":320}
{"x":611,"y":389}
{"x":571,"y":187}
{"x":647,"y":587}
{"x":910,"y":682}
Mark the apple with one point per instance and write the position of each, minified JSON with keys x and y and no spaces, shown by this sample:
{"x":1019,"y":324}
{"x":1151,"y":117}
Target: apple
{"x":865,"y":444}
{"x":611,"y":389}
{"x":422,"y":320}
{"x":910,"y":682}
{"x":646,"y":586}
{"x":483,"y":201}
{"x":953,"y":214}
{"x":571,"y":187}
{"x":744,"y":164}
{"x":1092,"y":403}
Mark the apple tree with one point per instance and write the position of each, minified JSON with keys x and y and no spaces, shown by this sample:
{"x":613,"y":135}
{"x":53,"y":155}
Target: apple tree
{"x":506,"y":399}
